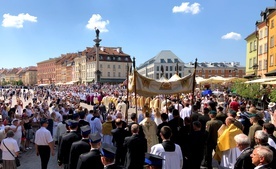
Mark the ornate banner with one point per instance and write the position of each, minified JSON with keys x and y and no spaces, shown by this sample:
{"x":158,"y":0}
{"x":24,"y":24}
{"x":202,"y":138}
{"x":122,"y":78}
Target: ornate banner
{"x":150,"y":87}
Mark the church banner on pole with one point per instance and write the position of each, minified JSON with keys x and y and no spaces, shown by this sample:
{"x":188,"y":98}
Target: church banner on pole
{"x":149,"y":87}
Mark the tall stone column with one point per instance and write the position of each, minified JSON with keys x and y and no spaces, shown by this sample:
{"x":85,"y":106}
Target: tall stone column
{"x":97,"y":44}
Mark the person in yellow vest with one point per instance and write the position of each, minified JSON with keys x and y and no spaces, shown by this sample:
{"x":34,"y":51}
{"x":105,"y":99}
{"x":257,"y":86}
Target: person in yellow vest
{"x":227,"y":151}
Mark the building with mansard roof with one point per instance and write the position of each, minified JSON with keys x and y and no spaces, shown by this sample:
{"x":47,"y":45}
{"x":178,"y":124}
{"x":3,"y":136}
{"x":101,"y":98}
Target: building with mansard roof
{"x":165,"y":58}
{"x":168,"y":60}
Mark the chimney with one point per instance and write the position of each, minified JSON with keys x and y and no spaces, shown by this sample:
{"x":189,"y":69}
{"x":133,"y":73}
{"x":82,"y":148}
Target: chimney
{"x":119,"y":49}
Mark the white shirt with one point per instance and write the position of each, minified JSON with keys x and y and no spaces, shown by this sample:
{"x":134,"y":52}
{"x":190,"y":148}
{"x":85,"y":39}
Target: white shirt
{"x":172,"y":160}
{"x":271,"y":143}
{"x":185,"y":112}
{"x":11,"y":145}
{"x":2,"y":127}
{"x":43,"y":137}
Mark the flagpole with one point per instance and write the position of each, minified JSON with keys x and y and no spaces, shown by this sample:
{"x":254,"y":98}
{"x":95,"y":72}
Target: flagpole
{"x":194,"y":82}
{"x":127,"y":102}
{"x":177,"y":72}
{"x":134,"y":79}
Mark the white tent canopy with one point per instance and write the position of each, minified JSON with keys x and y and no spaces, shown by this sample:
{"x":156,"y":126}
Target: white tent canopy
{"x":260,"y":80}
{"x":43,"y":85}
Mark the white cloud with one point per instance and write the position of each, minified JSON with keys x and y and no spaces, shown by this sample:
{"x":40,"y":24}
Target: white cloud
{"x":17,"y":21}
{"x":232,"y":35}
{"x":185,"y":8}
{"x":96,"y":22}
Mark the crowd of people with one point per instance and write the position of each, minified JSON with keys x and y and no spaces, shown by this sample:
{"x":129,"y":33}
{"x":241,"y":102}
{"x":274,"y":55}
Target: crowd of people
{"x":167,"y":131}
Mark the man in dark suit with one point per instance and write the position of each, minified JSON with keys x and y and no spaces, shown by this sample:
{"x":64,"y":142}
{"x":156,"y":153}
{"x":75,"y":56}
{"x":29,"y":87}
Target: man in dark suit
{"x":108,"y":157}
{"x":82,"y":121}
{"x":261,"y":157}
{"x":119,"y":116}
{"x":79,"y":147}
{"x":119,"y":135}
{"x":136,"y":146}
{"x":244,"y":160}
{"x":66,"y":143}
{"x":92,"y":159}
{"x":164,"y":118}
{"x":133,"y":117}
{"x":261,"y":138}
{"x":176,"y":124}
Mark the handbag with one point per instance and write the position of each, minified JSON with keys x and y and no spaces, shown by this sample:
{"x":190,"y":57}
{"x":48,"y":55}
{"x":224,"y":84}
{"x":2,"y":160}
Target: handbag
{"x":17,"y":161}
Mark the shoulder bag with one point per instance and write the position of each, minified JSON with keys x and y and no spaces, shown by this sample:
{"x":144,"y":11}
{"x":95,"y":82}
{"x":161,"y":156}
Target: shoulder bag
{"x":17,"y":161}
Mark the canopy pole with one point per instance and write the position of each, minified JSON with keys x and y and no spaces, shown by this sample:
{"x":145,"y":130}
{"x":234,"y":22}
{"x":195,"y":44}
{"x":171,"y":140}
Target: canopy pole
{"x":127,"y":102}
{"x":134,"y":79}
{"x":194,"y":82}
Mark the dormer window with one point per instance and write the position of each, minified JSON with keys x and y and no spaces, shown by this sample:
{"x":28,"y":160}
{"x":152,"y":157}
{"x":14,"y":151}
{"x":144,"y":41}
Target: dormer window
{"x":119,"y":58}
{"x":108,"y":58}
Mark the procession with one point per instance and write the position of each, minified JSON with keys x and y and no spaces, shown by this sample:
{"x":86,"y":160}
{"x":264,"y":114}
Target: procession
{"x":102,"y":125}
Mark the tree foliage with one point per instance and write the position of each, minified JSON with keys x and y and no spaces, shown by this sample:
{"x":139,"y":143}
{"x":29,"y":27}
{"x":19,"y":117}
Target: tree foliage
{"x":250,"y":91}
{"x":272,"y":95}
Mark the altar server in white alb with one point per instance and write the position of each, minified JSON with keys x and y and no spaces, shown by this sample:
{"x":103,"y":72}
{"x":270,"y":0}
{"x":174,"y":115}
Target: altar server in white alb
{"x":170,"y":152}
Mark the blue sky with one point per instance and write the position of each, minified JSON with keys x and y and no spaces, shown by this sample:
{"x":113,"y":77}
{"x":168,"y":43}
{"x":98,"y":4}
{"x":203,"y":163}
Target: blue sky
{"x":209,"y":30}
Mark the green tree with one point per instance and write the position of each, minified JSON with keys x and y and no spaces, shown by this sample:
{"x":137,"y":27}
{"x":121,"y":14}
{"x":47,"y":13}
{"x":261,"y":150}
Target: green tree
{"x":272,"y":95}
{"x":250,"y":91}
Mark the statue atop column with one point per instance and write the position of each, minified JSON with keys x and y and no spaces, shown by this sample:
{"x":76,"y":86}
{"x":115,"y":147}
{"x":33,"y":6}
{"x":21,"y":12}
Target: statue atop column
{"x":97,"y":33}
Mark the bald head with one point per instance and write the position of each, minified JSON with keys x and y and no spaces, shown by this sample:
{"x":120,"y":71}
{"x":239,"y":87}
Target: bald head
{"x":134,"y":128}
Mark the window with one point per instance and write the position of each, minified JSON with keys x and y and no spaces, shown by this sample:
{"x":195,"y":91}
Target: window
{"x":171,"y":68}
{"x":179,"y":75}
{"x":251,"y":47}
{"x":169,"y":61}
{"x":209,"y":71}
{"x":167,"y":75}
{"x":265,"y":64}
{"x":265,"y":32}
{"x":265,"y":48}
{"x":157,"y":69}
{"x":180,"y":68}
{"x":176,"y":61}
{"x":101,"y":66}
{"x":162,"y":61}
{"x":271,"y":60}
{"x":261,"y":35}
{"x":261,"y":49}
{"x":114,"y":67}
{"x":114,"y":58}
{"x":250,"y":63}
{"x":170,"y":75}
{"x":272,"y":24}
{"x":108,"y":66}
{"x":114,"y":74}
{"x":119,"y":66}
{"x":157,"y":75}
{"x":254,"y":60}
{"x":108,"y":58}
{"x":126,"y":59}
{"x":119,"y":58}
{"x":167,"y":68}
{"x":255,"y":45}
{"x":272,"y":41}
{"x":108,"y":74}
{"x":119,"y":74}
{"x":260,"y":65}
